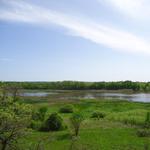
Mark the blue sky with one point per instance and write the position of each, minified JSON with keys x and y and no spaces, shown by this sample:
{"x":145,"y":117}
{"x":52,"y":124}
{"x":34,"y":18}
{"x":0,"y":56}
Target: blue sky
{"x":88,"y":40}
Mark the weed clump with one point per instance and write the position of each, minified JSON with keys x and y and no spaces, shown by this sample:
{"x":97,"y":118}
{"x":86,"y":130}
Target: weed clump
{"x":98,"y":115}
{"x":66,"y":109}
{"x":143,"y":133}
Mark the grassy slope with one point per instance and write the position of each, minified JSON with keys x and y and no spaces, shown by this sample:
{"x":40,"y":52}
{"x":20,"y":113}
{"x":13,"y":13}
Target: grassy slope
{"x":117,"y":131}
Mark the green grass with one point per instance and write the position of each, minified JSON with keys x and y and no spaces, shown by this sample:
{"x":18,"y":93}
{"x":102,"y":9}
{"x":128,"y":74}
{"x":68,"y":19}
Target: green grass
{"x":117,"y":131}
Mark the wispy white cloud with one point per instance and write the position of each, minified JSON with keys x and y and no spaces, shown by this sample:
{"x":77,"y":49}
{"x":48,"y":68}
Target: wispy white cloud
{"x":95,"y":32}
{"x":137,"y":9}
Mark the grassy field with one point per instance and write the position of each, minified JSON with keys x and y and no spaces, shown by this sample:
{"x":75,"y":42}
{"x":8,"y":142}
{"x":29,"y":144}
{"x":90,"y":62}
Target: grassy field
{"x":117,"y":131}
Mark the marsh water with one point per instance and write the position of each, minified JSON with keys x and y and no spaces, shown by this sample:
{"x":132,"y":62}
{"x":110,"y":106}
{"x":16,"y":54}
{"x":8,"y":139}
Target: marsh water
{"x":66,"y":95}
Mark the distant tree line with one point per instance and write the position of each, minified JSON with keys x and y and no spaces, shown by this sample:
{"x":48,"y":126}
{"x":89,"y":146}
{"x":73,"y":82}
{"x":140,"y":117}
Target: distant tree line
{"x":76,"y":85}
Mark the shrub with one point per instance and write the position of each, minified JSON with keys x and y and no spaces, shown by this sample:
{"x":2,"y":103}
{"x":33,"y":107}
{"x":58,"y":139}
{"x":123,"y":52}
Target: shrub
{"x":35,"y":125}
{"x":130,"y":121}
{"x":42,"y":111}
{"x":143,"y":133}
{"x":53,"y":123}
{"x":76,"y":121}
{"x":98,"y":115}
{"x":66,"y":109}
{"x":39,"y":114}
{"x":147,"y":120}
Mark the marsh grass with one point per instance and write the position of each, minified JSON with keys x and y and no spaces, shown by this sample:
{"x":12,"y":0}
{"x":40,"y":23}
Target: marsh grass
{"x":131,"y":117}
{"x":118,"y":130}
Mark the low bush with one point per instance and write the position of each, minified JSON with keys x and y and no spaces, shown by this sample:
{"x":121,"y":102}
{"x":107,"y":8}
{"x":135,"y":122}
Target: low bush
{"x":40,"y":114}
{"x":53,"y":123}
{"x":35,"y":125}
{"x":42,"y":111}
{"x":143,"y":133}
{"x":98,"y":115}
{"x":130,"y":121}
{"x":147,"y":120}
{"x":66,"y":109}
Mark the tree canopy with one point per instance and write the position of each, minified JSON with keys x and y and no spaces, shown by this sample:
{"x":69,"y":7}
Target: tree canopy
{"x":78,"y":85}
{"x":14,"y":119}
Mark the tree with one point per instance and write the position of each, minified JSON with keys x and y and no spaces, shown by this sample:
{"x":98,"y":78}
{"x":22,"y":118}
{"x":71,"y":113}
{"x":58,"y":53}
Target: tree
{"x":3,"y":92}
{"x":12,"y":90}
{"x":14,"y":119}
{"x":76,"y":120}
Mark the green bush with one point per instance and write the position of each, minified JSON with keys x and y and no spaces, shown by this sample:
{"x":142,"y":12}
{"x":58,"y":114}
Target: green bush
{"x":98,"y":115}
{"x":66,"y":109}
{"x":35,"y":125}
{"x":53,"y":123}
{"x":147,"y":120}
{"x":39,"y":114}
{"x":42,"y":111}
{"x":143,"y":133}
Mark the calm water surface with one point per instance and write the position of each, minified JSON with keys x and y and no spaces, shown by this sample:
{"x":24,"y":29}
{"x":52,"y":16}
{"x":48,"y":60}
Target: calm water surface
{"x":37,"y":94}
{"x":140,"y":97}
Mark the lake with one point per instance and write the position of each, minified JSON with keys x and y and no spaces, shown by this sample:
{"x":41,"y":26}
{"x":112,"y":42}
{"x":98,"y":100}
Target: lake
{"x":138,"y":97}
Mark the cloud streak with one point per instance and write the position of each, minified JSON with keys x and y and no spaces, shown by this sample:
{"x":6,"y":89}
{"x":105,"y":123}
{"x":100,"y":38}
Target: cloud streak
{"x":18,"y":11}
{"x":136,"y":9}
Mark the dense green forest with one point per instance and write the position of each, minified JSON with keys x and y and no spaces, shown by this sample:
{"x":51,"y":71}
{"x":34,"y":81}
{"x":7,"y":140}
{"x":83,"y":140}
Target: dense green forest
{"x":76,"y":85}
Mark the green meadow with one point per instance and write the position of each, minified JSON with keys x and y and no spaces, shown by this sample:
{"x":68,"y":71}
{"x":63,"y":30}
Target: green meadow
{"x":117,"y":130}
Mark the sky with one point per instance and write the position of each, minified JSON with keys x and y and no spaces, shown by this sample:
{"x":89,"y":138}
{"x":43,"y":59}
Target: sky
{"x":88,"y":40}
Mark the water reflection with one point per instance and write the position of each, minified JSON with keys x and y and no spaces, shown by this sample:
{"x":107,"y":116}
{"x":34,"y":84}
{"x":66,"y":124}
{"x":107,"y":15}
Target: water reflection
{"x":140,"y":97}
{"x":36,"y":94}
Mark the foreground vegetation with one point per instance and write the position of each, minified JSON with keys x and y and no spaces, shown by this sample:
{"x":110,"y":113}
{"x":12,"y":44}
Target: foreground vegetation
{"x":75,"y":125}
{"x":121,"y":128}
